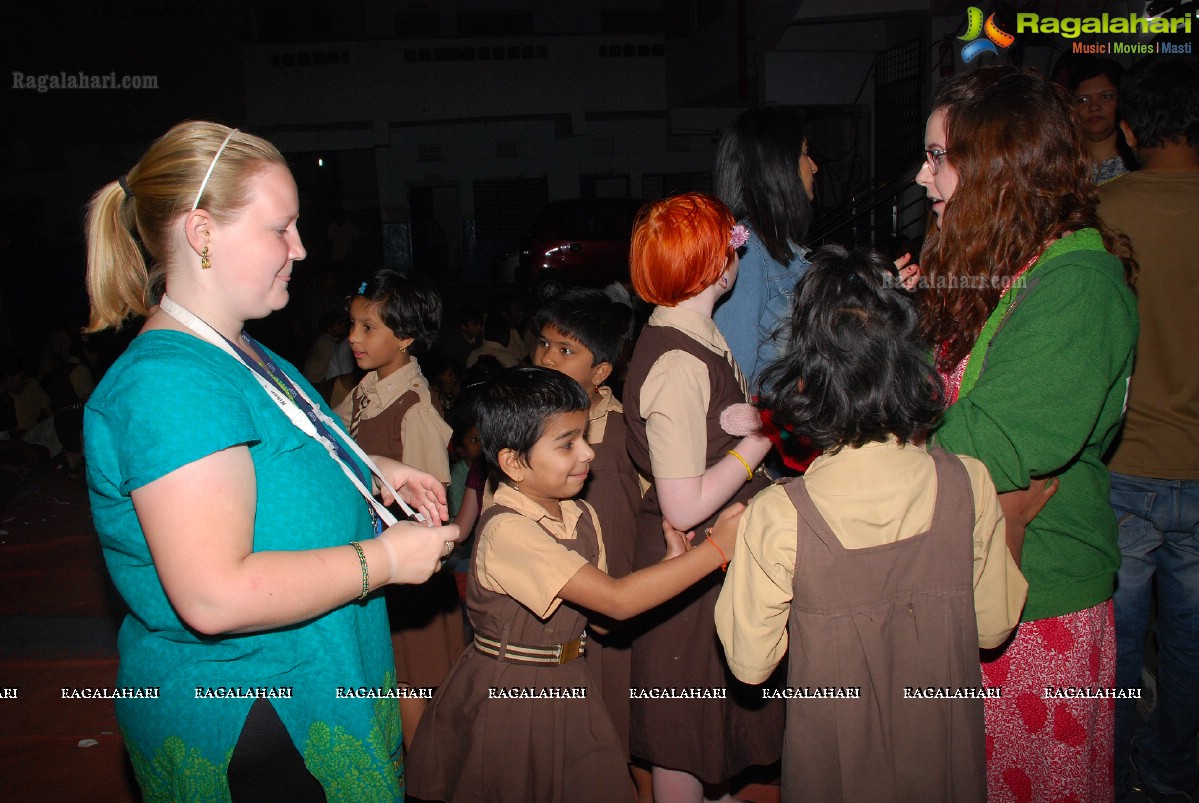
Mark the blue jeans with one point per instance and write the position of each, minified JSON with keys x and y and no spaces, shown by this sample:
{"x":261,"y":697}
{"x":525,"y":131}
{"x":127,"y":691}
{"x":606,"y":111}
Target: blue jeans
{"x":1159,"y":535}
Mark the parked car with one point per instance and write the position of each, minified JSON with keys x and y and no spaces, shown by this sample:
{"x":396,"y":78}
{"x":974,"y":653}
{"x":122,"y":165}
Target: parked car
{"x":581,"y":241}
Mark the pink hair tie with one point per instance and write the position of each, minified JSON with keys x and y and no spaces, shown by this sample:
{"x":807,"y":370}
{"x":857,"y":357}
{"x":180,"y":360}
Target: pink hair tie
{"x":739,"y":237}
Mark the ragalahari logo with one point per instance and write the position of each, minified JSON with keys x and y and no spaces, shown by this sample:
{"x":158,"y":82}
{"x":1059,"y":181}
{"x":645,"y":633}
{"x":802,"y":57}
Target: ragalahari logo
{"x":975,"y":27}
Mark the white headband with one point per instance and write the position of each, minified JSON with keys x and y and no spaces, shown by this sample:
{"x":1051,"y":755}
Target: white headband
{"x":208,"y":175}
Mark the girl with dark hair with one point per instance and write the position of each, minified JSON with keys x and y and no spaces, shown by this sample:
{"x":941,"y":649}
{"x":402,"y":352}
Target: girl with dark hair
{"x":394,"y":319}
{"x":1095,"y":89}
{"x":1029,"y":310}
{"x":901,"y":570}
{"x":767,"y":177}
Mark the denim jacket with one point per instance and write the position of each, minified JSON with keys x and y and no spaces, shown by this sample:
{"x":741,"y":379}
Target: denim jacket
{"x":753,"y":317}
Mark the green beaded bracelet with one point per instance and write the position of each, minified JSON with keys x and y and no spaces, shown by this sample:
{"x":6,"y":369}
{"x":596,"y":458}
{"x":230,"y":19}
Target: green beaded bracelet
{"x":366,"y":575}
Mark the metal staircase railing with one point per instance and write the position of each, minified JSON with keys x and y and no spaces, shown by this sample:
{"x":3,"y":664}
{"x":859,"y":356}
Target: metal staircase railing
{"x":893,"y":208}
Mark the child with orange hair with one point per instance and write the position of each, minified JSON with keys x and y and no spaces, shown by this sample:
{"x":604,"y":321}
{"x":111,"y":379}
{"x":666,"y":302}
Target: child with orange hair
{"x":681,"y":378}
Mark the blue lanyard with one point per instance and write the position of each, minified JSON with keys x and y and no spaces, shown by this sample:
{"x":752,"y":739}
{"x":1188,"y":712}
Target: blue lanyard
{"x":270,"y":371}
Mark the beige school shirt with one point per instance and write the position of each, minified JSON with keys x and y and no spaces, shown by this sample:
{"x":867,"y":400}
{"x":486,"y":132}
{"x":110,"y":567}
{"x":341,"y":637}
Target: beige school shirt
{"x":423,"y":431}
{"x":675,"y":395}
{"x":876,"y":494}
{"x":517,"y":558}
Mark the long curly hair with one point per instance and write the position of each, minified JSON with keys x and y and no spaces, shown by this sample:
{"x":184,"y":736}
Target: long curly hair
{"x":1023,"y":180}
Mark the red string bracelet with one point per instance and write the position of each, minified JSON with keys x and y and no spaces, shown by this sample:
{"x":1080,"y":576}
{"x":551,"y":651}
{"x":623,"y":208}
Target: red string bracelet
{"x":724,"y":566}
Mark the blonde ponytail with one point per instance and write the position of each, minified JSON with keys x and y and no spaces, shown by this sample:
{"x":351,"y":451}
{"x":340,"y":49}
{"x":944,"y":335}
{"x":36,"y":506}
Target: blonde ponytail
{"x":117,"y":277}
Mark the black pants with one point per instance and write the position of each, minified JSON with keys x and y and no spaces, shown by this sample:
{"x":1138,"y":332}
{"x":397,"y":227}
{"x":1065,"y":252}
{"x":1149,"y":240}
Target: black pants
{"x":265,"y":764}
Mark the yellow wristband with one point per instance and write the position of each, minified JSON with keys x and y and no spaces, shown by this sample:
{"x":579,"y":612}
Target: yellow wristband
{"x":366,"y":575}
{"x":749,"y":472}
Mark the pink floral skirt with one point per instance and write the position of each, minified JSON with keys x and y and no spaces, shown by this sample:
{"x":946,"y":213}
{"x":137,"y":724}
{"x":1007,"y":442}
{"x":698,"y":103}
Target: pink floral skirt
{"x":1040,"y":746}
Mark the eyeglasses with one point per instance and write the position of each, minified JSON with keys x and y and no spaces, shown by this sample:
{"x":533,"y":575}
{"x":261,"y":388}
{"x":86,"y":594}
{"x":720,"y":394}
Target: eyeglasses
{"x":1106,"y":98}
{"x":934,"y":157}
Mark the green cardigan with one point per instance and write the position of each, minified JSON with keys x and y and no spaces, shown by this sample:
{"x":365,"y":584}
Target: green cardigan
{"x":1048,"y":401}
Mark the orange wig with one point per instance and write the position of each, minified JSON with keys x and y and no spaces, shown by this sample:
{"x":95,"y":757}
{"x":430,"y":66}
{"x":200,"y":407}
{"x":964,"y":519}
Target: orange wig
{"x":680,"y":247}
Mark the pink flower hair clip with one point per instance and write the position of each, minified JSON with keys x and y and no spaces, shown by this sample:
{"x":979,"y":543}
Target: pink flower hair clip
{"x":739,"y":237}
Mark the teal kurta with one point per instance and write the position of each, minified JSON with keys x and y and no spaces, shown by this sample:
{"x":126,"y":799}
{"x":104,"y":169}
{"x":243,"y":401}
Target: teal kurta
{"x":170,"y":400}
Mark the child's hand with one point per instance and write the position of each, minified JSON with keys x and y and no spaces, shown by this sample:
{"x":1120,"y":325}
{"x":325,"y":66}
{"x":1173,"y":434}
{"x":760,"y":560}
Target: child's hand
{"x":1022,"y":506}
{"x":741,"y":420}
{"x":723,"y":533}
{"x":677,"y":542}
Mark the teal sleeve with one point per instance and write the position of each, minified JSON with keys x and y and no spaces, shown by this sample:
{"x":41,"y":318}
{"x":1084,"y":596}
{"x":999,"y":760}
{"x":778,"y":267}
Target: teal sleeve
{"x":1049,"y":376}
{"x":167,"y":413}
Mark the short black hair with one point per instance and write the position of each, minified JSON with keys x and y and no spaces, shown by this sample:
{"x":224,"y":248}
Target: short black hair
{"x":409,"y":307}
{"x":590,"y":317}
{"x":1159,"y":99}
{"x":855,"y":370}
{"x":468,"y":313}
{"x":514,"y":406}
{"x":1088,"y":67}
{"x":463,"y":416}
{"x":496,"y":327}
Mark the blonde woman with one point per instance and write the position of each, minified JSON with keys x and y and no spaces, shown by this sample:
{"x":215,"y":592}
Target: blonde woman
{"x":233,"y":512}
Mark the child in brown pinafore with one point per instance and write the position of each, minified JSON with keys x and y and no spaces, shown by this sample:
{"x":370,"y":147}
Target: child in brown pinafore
{"x":881,"y":572}
{"x":391,"y":413}
{"x":519,"y":718}
{"x":580,"y":333}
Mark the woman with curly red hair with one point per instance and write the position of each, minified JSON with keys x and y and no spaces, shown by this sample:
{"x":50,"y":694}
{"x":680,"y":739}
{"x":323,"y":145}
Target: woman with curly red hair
{"x":681,"y":378}
{"x":1029,"y":308}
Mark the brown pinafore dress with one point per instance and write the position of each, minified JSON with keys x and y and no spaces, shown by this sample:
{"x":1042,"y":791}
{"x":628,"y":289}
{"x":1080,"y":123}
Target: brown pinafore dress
{"x":471,"y":747}
{"x":613,"y":490}
{"x":426,"y":620}
{"x":676,"y":646}
{"x":881,"y":619}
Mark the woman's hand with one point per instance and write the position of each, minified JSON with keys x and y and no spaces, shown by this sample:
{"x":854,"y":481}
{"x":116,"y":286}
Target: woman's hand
{"x":1021,"y":507}
{"x":421,"y":491}
{"x":415,"y":551}
{"x":724,"y":532}
{"x":909,"y":272}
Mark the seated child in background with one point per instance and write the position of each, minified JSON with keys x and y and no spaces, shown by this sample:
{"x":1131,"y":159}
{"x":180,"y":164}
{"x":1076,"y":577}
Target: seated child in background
{"x":445,"y":381}
{"x":391,"y":413}
{"x":500,"y":344}
{"x":580,"y":334}
{"x":885,"y":567}
{"x":519,"y":718}
{"x":320,"y":354}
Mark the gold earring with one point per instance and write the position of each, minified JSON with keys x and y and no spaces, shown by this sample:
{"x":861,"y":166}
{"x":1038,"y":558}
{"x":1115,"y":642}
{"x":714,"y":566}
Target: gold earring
{"x":204,"y":263}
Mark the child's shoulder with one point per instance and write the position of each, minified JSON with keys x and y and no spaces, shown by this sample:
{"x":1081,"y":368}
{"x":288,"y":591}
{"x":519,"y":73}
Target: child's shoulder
{"x":980,"y":476}
{"x":775,"y":495}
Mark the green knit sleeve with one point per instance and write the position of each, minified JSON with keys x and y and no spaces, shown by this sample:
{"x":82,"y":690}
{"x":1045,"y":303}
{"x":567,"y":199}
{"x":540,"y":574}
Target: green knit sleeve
{"x":1055,"y":376}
